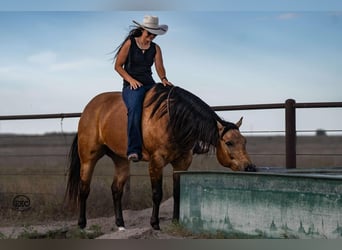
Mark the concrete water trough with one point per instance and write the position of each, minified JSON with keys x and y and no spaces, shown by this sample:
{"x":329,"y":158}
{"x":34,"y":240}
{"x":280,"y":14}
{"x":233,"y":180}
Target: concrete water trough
{"x":282,"y":204}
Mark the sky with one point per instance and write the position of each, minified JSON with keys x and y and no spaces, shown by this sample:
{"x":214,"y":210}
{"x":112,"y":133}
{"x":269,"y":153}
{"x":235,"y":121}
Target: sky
{"x":55,"y":58}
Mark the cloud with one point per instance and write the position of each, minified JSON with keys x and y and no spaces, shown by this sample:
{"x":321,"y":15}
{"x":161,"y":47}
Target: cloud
{"x":336,"y":13}
{"x":5,"y":70}
{"x":43,"y":58}
{"x":48,"y":60}
{"x":80,"y":64}
{"x":288,"y":16}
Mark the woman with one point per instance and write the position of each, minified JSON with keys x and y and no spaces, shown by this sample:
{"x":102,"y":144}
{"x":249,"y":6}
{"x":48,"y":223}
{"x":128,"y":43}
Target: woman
{"x":134,"y":61}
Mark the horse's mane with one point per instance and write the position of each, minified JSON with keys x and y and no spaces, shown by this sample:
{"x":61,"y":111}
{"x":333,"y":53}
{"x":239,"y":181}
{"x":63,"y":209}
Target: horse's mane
{"x":191,"y":120}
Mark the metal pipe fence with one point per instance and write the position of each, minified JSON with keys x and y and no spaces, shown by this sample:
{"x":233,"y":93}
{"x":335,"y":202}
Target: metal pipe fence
{"x":290,"y":106}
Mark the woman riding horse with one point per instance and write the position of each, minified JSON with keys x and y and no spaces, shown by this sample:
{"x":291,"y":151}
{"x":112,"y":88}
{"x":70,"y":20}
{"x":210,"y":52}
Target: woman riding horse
{"x":134,"y":60}
{"x":174,"y":124}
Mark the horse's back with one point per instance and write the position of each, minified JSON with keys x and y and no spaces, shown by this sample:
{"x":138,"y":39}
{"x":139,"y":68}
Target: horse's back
{"x":104,"y":122}
{"x":100,"y":106}
{"x":103,"y":99}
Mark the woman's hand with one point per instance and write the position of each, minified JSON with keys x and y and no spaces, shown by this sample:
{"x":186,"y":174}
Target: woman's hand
{"x":166,"y":82}
{"x":135,"y":84}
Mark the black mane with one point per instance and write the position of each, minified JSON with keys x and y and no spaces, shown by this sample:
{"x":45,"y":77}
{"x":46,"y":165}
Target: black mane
{"x":191,"y":119}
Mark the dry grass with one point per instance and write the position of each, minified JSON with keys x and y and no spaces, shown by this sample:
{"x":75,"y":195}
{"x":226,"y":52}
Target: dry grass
{"x":40,"y":175}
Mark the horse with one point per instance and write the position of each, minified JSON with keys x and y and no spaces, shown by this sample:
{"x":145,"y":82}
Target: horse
{"x":175,"y":125}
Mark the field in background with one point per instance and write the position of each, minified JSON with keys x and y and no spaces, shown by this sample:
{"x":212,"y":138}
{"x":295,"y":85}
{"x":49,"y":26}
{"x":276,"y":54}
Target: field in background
{"x":35,"y":166}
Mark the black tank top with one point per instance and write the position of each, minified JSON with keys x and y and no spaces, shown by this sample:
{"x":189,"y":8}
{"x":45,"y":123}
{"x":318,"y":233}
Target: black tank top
{"x":139,"y":64}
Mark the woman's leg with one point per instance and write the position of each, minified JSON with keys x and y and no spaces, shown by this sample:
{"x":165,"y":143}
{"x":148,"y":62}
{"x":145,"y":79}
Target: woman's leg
{"x":133,"y":99}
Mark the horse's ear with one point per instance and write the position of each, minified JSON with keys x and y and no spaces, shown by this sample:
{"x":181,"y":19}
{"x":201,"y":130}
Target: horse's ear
{"x":238,"y":124}
{"x":220,"y":128}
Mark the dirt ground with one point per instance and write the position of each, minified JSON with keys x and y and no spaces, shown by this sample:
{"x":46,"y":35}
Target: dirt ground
{"x":136,"y":222}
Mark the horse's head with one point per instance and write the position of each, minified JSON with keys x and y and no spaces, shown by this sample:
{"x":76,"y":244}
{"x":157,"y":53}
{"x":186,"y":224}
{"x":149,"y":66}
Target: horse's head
{"x":231,"y":149}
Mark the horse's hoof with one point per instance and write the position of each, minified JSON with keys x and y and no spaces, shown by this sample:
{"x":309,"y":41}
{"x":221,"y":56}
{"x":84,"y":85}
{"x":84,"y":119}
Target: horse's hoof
{"x":82,"y":224}
{"x":156,"y":227}
{"x":122,"y":229}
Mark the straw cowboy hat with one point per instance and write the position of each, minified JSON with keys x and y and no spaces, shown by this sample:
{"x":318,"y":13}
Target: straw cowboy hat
{"x":151,"y":24}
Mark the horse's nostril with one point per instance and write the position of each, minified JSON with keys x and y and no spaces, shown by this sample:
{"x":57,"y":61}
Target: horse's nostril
{"x":251,"y":168}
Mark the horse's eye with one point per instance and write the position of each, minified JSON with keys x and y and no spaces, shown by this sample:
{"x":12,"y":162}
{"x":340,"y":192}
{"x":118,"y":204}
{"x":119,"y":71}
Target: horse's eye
{"x":229,"y":143}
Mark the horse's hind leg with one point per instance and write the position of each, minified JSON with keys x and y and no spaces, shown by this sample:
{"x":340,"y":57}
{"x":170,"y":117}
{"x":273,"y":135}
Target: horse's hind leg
{"x":86,"y":173}
{"x":89,"y":154}
{"x":85,"y":176}
{"x":120,"y":177}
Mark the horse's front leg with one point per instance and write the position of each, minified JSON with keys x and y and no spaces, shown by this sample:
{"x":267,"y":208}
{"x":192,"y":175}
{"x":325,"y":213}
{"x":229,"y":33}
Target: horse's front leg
{"x":176,"y":197}
{"x":120,"y":178}
{"x":156,"y":176}
{"x":117,"y":196}
{"x":181,"y":164}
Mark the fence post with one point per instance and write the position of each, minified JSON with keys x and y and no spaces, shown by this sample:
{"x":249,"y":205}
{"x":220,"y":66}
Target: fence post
{"x":290,"y":133}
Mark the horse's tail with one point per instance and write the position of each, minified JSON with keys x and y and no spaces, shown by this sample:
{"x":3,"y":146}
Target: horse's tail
{"x":72,"y":191}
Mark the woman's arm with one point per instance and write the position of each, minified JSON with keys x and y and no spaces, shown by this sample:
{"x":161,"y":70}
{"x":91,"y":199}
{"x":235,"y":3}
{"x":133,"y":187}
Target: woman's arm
{"x":160,"y":67}
{"x":119,"y":63}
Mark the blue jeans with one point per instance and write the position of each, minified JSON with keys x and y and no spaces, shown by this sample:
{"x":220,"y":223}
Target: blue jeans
{"x":134,"y":99}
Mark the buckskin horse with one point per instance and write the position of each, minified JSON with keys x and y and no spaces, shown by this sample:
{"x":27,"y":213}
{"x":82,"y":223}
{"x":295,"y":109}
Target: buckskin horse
{"x":175,"y":125}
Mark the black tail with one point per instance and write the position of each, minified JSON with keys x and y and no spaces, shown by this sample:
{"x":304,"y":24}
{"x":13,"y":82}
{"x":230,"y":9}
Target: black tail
{"x":72,"y":190}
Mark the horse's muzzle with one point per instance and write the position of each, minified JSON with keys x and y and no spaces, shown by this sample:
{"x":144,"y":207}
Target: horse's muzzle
{"x":251,"y":168}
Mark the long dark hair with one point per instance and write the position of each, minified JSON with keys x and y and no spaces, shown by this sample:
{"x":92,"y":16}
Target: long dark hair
{"x":135,"y":32}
